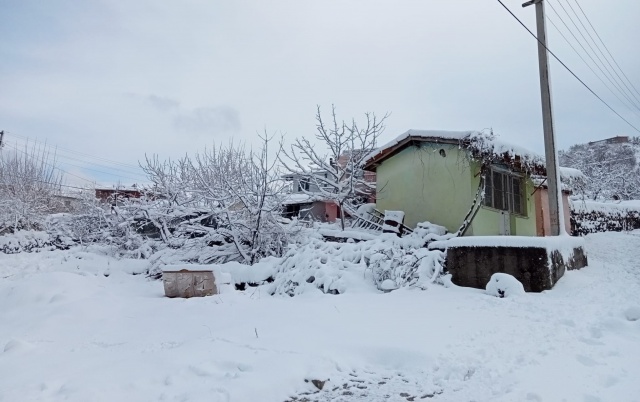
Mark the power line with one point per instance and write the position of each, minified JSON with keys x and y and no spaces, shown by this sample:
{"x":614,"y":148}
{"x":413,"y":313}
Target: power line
{"x":565,"y":66}
{"x":606,"y":48}
{"x":97,"y":170}
{"x":80,"y":153}
{"x":53,"y":166}
{"x":586,"y":63}
{"x":58,"y":155}
{"x":600,"y":50}
{"x":608,"y":73}
{"x":609,"y":77}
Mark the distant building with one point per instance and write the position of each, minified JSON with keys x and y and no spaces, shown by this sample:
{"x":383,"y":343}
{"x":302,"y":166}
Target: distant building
{"x":115,"y":195}
{"x":620,"y":139}
{"x":302,"y":202}
{"x":305,"y":200}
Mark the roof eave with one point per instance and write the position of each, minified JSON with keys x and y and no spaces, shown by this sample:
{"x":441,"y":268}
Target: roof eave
{"x":385,"y":154}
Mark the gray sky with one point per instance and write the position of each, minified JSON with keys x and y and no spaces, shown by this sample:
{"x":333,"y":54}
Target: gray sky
{"x":118,"y":79}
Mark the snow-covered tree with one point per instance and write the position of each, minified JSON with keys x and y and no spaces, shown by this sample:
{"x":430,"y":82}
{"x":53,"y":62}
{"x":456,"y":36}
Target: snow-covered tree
{"x":224,"y":202}
{"x":611,"y":170}
{"x":29,"y":182}
{"x":337,"y":175}
{"x":245,"y":189}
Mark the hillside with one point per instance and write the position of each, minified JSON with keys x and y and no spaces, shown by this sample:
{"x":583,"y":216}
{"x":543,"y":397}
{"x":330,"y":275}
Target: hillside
{"x":612,"y":167}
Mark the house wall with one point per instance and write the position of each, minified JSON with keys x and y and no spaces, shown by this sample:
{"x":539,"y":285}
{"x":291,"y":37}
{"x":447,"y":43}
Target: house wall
{"x":426,"y":185}
{"x":543,"y":222}
{"x":313,"y":187}
{"x":331,"y":210}
{"x":487,"y":220}
{"x":429,"y":187}
{"x":315,"y":211}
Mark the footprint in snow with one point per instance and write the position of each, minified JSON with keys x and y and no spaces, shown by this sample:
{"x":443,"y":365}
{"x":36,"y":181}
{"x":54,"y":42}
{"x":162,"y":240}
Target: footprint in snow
{"x":587,"y":361}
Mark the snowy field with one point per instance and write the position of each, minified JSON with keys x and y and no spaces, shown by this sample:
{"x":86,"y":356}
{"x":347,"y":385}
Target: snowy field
{"x":77,"y":326}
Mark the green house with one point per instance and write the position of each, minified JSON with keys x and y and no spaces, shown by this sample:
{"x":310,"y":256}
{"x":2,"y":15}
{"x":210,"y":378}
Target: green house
{"x":467,"y":181}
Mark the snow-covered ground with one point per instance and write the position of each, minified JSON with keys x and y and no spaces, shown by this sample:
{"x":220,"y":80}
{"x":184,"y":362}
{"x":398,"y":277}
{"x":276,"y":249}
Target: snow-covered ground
{"x":77,"y":326}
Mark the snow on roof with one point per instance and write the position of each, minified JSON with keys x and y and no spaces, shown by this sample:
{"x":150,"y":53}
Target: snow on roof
{"x":482,"y":143}
{"x":570,"y":178}
{"x":571,"y":173}
{"x":298,"y":198}
{"x":119,"y":188}
{"x":293,"y":175}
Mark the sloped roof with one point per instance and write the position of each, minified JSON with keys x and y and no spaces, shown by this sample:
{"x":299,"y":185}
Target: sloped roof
{"x":482,"y":144}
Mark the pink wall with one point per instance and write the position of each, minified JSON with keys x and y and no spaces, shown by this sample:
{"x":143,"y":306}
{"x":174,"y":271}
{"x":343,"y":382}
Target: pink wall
{"x":543,"y":223}
{"x":331,"y":210}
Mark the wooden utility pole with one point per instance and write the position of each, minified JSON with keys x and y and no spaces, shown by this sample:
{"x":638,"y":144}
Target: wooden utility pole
{"x":555,"y":203}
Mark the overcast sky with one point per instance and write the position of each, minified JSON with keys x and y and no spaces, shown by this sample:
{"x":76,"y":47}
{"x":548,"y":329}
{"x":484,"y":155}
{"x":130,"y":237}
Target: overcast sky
{"x":118,"y":79}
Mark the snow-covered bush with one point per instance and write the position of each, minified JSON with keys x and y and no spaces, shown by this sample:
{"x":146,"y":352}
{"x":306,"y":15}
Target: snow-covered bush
{"x":592,"y":217}
{"x":504,"y":285}
{"x":79,"y":228}
{"x":25,"y":241}
{"x":386,"y":262}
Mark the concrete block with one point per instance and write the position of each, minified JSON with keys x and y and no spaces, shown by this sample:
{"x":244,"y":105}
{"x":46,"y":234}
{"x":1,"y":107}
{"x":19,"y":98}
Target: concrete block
{"x":537,"y":268}
{"x":189,"y":283}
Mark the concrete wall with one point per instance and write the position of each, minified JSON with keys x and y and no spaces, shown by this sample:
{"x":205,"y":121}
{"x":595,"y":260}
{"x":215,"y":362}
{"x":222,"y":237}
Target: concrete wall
{"x":535,"y":267}
{"x":426,"y":185}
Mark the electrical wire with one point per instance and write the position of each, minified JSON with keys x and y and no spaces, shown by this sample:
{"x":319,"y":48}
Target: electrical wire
{"x":77,"y":152}
{"x":88,"y":168}
{"x":598,"y":47}
{"x":608,"y":73}
{"x":51,"y":165}
{"x":587,"y":64}
{"x":630,"y":103}
{"x":60,"y":155}
{"x":567,"y":68}
{"x":606,"y":48}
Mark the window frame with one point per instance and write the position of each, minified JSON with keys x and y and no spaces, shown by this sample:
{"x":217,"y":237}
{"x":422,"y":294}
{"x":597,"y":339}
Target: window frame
{"x":509,"y":195}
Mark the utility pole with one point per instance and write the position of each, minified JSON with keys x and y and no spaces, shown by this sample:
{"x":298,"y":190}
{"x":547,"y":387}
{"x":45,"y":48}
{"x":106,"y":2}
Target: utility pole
{"x":555,"y":204}
{"x":1,"y":139}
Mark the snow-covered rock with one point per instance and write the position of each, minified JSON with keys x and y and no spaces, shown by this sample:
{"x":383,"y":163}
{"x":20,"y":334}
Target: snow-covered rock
{"x":504,"y":285}
{"x":388,"y":285}
{"x":632,"y":313}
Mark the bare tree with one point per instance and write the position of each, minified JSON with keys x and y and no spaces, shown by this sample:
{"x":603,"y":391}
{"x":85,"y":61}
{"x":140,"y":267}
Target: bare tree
{"x":246,"y":189}
{"x":226,"y":198}
{"x":29,"y":181}
{"x":337,"y":175}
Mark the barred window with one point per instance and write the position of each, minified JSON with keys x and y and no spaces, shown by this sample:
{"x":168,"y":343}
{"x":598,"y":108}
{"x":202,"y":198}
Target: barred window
{"x":505,"y":191}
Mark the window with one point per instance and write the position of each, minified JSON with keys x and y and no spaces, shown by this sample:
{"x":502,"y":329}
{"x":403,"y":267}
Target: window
{"x":505,"y":191}
{"x":303,"y":185}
